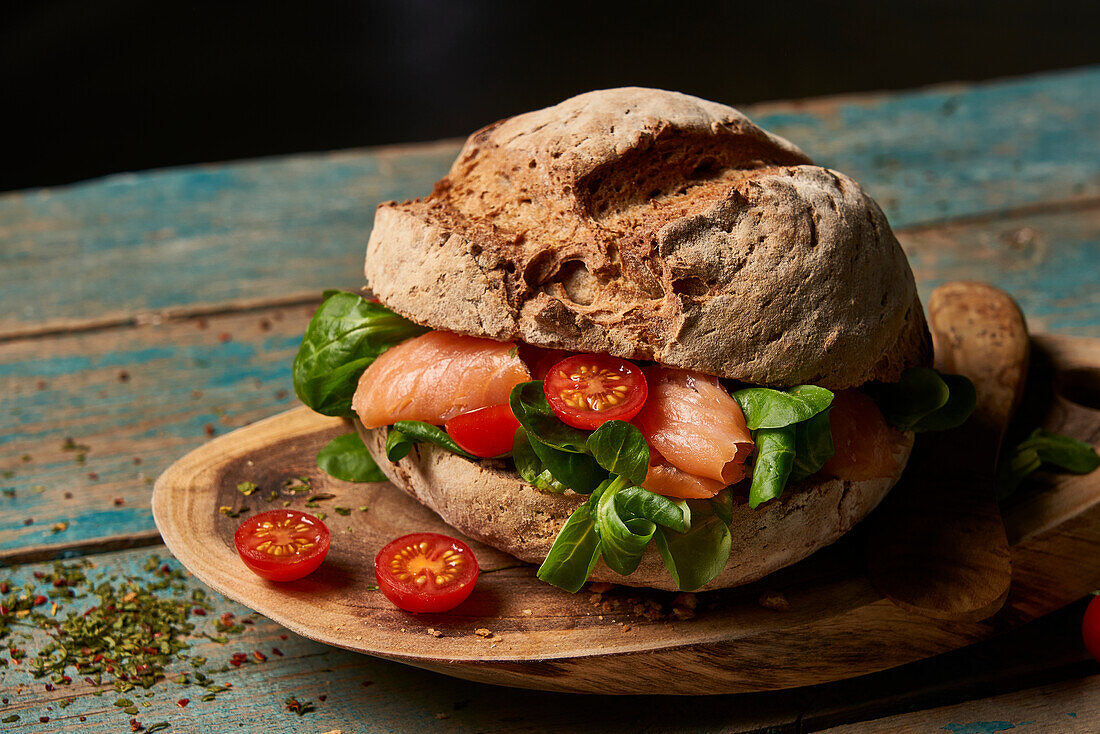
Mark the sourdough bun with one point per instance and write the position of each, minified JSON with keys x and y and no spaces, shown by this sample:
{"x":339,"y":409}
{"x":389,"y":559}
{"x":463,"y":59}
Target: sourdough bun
{"x":654,"y":225}
{"x":495,"y":506}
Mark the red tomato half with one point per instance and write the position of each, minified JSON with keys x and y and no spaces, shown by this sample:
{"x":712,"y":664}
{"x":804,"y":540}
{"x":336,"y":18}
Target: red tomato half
{"x":484,"y":432}
{"x":587,"y":390}
{"x":1090,"y":627}
{"x":426,"y":572}
{"x":282,"y":545}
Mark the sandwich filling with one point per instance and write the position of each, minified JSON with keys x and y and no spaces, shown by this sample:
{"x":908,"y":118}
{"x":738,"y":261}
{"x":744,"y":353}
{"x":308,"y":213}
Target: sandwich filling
{"x":661,"y":452}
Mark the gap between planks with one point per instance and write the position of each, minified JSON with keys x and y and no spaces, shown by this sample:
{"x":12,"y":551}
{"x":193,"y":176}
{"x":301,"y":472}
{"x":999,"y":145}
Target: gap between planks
{"x":147,"y":318}
{"x":82,"y":548}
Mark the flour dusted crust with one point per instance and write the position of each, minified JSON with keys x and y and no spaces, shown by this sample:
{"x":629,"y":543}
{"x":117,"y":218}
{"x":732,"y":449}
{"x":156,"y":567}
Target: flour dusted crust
{"x":658,"y":226}
{"x":497,"y":507}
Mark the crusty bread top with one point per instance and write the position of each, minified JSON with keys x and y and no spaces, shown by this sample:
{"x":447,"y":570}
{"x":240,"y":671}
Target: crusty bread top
{"x":654,"y":225}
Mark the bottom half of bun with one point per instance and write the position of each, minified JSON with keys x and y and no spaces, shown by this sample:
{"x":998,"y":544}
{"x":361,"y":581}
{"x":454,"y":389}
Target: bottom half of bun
{"x":492,"y":504}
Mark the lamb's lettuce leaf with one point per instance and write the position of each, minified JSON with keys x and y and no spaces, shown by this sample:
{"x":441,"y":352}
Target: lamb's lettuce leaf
{"x":531,"y":409}
{"x":925,"y":400}
{"x":530,"y":466}
{"x":696,"y":557}
{"x":776,"y":417}
{"x":345,"y":335}
{"x":574,"y":553}
{"x":579,"y":472}
{"x":623,"y":540}
{"x":404,"y":434}
{"x":345,"y":457}
{"x":774,"y":461}
{"x":639,"y":502}
{"x":767,"y":408}
{"x":813,"y":446}
{"x":1044,"y":447}
{"x":621,"y":449}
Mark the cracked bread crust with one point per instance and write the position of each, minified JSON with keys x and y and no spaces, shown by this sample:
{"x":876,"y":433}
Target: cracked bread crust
{"x":657,"y":226}
{"x":495,"y":506}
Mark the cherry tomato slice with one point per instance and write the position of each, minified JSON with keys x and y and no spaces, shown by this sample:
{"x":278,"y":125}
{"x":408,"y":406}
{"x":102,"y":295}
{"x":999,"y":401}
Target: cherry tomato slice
{"x":426,"y":572}
{"x":587,"y":390}
{"x":282,"y":545}
{"x":484,"y":432}
{"x":1090,"y":627}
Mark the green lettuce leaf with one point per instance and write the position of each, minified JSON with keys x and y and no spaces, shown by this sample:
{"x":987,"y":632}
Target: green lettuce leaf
{"x":345,"y":457}
{"x":404,"y":434}
{"x":344,"y":336}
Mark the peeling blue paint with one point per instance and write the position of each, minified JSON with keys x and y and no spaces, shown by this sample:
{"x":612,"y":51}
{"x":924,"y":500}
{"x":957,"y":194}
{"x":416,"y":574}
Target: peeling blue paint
{"x":980,"y":727}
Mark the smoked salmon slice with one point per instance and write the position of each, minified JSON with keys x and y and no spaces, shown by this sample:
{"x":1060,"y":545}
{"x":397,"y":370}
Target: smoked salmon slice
{"x":865,"y":445}
{"x":665,"y":479}
{"x":436,"y":376}
{"x":695,"y":425}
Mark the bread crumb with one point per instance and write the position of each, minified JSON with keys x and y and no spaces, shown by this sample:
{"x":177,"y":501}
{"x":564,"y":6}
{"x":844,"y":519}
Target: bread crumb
{"x":626,"y":628}
{"x":774,"y":600}
{"x":595,"y":598}
{"x":434,"y":632}
{"x":527,"y":612}
{"x":682,"y":613}
{"x":482,"y":632}
{"x":600,"y":586}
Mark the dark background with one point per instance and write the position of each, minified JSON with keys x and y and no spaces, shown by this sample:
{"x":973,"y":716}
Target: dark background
{"x":119,"y":85}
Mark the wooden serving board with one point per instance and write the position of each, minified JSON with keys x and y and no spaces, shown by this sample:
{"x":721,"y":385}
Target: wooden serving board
{"x":829,"y":623}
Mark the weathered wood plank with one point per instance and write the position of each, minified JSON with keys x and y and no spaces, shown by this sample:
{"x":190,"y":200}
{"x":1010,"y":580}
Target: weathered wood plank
{"x":132,"y":400}
{"x":1048,"y":261}
{"x":1069,"y":706}
{"x":399,"y":697}
{"x":182,"y":377}
{"x":107,"y":249}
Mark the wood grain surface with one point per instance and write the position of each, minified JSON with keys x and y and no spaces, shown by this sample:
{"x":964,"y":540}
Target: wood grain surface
{"x":836,"y":625}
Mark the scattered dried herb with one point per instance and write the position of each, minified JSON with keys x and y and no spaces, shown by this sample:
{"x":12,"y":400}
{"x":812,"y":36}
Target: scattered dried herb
{"x":299,"y":707}
{"x":230,"y":512}
{"x":125,"y":635}
{"x":295,"y":485}
{"x":247,"y":488}
{"x":70,"y":445}
{"x":342,"y":510}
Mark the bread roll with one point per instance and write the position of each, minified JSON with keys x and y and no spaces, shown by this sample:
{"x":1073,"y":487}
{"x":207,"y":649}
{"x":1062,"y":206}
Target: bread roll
{"x":657,"y":226}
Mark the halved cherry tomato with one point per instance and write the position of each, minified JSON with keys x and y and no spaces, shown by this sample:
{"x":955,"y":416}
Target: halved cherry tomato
{"x":587,"y":390}
{"x":282,"y":545}
{"x":484,"y":432}
{"x":426,"y":572}
{"x":1090,"y":627}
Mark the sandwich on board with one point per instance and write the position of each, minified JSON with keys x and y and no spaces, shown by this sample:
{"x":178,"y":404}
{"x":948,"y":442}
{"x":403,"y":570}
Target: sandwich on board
{"x":635,"y":338}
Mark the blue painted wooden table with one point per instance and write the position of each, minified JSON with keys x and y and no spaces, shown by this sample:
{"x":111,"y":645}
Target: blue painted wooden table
{"x":143,"y":313}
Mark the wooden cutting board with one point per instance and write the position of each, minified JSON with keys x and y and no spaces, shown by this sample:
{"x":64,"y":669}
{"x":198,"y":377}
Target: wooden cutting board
{"x":818,"y":621}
